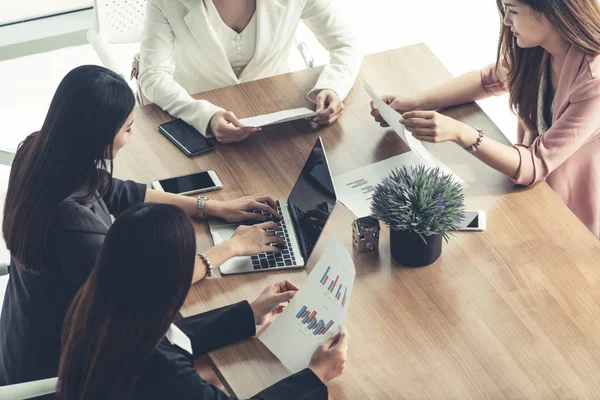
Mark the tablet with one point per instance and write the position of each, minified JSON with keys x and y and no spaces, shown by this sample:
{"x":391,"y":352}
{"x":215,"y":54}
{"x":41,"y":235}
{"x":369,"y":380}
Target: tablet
{"x":185,"y":137}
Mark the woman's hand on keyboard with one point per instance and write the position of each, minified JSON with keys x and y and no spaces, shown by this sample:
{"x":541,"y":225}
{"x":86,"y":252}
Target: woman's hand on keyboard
{"x":254,"y":239}
{"x":242,"y":209}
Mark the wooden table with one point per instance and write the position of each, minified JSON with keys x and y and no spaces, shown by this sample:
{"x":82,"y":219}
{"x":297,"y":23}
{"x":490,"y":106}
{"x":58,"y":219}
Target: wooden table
{"x":511,"y":312}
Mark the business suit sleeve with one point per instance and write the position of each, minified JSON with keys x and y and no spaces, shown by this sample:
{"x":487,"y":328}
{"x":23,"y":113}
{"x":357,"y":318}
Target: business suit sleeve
{"x":336,"y":35}
{"x":157,"y":65}
{"x":123,"y":194}
{"x":226,"y":325}
{"x":188,"y":385}
{"x":219,"y":327}
{"x":573,"y":129}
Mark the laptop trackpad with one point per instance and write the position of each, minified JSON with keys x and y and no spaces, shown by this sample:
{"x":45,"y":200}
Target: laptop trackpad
{"x":222,"y":233}
{"x":235,"y":265}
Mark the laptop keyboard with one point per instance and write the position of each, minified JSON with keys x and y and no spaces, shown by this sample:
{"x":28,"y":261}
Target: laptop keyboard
{"x":276,"y":260}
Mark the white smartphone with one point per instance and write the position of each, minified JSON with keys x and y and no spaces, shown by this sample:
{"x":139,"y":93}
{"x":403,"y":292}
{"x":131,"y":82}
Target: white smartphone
{"x":199,"y":182}
{"x":474,"y":221}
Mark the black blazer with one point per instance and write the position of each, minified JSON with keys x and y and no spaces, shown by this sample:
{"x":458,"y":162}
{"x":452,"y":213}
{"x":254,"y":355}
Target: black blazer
{"x":35,"y":305}
{"x":170,"y":372}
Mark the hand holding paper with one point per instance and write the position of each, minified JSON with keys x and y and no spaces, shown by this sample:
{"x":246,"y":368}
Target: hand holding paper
{"x":315,"y":315}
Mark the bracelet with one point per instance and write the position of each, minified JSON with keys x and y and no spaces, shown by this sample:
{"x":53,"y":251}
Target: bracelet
{"x":475,"y":146}
{"x":200,"y":211}
{"x":207,"y":264}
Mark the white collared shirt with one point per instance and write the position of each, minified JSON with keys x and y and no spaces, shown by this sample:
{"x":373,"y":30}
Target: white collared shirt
{"x":176,"y":337}
{"x":239,"y":47}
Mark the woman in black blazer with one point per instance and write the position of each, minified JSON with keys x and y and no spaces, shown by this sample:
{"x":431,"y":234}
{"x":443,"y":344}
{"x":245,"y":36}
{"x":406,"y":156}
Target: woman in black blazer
{"x":118,"y":337}
{"x":58,"y":208}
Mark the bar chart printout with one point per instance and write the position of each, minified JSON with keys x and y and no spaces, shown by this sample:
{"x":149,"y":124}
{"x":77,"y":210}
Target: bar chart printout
{"x":317,"y":312}
{"x":309,"y":320}
{"x":365,"y":188}
{"x":335,"y":288}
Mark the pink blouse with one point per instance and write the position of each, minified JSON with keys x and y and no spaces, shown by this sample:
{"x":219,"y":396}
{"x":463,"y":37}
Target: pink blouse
{"x":566,"y":156}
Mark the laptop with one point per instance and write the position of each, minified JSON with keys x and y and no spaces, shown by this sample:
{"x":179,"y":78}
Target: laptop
{"x":305,"y":213}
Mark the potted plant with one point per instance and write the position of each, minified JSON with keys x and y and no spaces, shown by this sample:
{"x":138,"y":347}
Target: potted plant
{"x":421,"y":205}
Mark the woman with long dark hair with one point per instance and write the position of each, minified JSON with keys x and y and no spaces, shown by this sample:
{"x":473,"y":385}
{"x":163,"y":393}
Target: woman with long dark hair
{"x":58,"y":208}
{"x":548,"y":60}
{"x":118,"y":338}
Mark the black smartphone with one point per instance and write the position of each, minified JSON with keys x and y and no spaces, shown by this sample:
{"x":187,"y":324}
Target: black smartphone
{"x":185,"y":137}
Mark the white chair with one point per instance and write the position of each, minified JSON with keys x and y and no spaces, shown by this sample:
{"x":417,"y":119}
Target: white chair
{"x":27,"y":390}
{"x":116,"y":33}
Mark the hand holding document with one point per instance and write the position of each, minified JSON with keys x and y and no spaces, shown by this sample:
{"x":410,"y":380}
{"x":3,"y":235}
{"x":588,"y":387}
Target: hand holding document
{"x":317,"y":312}
{"x":278,"y":117}
{"x":393,"y":118}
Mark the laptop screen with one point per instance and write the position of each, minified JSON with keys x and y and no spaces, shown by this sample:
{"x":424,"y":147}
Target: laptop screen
{"x":312,"y":199}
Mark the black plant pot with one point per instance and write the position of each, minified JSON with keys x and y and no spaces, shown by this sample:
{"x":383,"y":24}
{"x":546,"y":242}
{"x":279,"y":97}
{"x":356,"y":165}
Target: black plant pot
{"x":409,"y":249}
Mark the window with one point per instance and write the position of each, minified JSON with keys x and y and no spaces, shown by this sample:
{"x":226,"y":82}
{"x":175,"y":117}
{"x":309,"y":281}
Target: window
{"x":16,"y":11}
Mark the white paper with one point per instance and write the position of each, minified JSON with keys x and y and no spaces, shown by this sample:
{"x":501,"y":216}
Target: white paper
{"x":393,"y":118}
{"x":317,"y":312}
{"x":355,"y":188}
{"x":278,"y":117}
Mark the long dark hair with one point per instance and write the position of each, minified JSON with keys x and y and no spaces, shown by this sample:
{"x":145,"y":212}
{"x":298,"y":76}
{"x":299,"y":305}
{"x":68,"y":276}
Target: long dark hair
{"x":577,"y":21}
{"x":71,"y":155}
{"x":120,"y":314}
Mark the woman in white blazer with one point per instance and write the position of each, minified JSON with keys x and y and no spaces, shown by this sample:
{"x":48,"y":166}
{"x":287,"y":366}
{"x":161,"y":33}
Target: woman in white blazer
{"x":191,"y":46}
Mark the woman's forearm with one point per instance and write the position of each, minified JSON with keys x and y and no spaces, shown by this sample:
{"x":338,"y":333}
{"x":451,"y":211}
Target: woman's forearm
{"x":501,"y":157}
{"x":463,"y":89}
{"x":217,"y":255}
{"x":189,"y":204}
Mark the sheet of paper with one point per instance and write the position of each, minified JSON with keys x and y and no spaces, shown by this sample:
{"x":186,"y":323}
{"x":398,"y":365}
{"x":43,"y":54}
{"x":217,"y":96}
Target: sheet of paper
{"x":317,"y":312}
{"x":393,"y":118}
{"x":355,"y":188}
{"x":279,"y":117}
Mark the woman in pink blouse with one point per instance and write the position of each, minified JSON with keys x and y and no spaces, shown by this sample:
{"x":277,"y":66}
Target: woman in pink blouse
{"x":548,"y":60}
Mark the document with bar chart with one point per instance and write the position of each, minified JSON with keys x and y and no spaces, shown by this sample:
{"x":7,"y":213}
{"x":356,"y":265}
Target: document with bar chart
{"x":355,"y":188}
{"x":317,"y":312}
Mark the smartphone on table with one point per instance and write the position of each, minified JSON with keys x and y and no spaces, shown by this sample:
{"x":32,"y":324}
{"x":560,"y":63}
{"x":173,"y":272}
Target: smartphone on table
{"x":199,"y":182}
{"x":474,"y":221}
{"x":185,"y":137}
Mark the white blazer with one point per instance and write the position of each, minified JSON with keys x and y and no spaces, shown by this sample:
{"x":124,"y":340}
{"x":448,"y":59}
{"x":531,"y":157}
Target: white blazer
{"x":182,"y":55}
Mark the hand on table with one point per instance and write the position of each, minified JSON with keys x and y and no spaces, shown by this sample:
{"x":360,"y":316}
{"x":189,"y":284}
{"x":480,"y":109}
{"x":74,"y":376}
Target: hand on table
{"x":329,"y":359}
{"x":399,"y":104}
{"x":241,"y":209}
{"x":226,"y":128}
{"x":331,"y":107}
{"x":272,"y":301}
{"x":433,"y":127}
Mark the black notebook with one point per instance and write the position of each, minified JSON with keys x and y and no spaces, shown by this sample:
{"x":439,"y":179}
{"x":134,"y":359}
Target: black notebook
{"x":185,"y":137}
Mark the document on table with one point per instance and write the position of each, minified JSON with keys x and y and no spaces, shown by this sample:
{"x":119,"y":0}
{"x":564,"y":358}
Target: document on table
{"x":278,"y":117}
{"x":355,"y":188}
{"x":317,"y":312}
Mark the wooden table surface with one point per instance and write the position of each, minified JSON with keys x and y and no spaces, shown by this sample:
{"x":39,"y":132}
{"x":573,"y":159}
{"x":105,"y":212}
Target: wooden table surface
{"x":511,"y":312}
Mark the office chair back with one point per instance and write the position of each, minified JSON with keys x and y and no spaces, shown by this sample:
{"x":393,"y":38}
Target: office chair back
{"x":120,"y":21}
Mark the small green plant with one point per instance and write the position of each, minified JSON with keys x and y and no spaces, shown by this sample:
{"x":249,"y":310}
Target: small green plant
{"x":421,"y":200}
